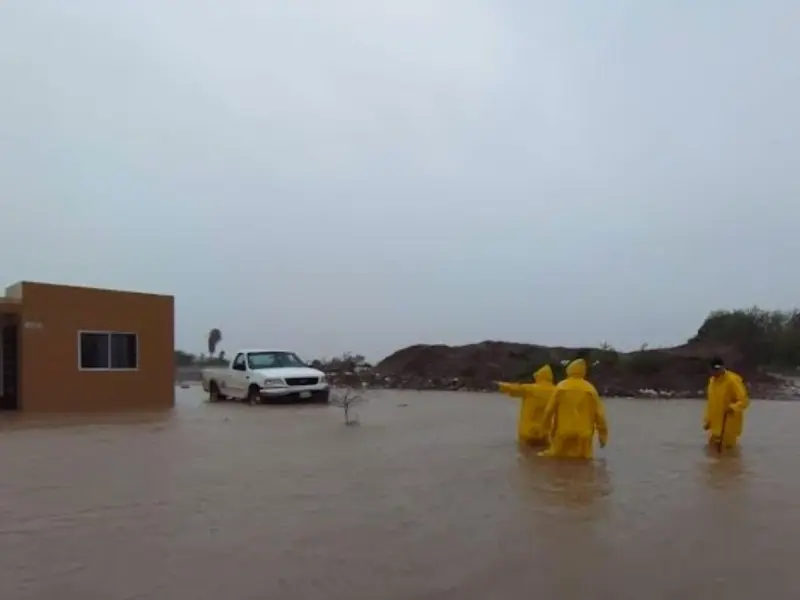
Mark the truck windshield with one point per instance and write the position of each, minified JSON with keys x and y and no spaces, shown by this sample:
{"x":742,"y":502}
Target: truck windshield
{"x":273,"y":360}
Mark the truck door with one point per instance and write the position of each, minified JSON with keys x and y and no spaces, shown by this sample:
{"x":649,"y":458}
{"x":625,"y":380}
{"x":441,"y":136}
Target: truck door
{"x":238,"y":381}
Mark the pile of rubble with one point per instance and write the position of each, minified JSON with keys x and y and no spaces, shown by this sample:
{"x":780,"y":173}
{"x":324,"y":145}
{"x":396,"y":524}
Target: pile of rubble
{"x":680,"y":372}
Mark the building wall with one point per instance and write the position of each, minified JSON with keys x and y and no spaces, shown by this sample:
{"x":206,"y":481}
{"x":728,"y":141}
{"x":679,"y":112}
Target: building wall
{"x":50,"y":380}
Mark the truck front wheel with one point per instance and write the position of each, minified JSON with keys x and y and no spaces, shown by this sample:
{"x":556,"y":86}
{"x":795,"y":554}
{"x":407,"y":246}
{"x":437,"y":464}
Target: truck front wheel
{"x":253,"y":395}
{"x":322,"y":397}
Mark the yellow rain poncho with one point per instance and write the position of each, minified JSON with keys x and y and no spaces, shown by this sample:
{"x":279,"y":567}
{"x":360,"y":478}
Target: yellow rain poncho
{"x":532,"y":428}
{"x":575,"y":410}
{"x":727,"y":401}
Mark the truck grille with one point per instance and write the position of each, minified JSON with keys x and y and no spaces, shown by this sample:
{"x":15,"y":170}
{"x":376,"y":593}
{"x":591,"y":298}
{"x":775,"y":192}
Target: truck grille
{"x":302,"y":380}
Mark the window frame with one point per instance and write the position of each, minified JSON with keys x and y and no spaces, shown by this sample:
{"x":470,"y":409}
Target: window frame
{"x":244,"y":362}
{"x":81,"y":333}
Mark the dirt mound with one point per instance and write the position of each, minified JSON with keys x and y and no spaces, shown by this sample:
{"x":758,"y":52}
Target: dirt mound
{"x":680,"y":371}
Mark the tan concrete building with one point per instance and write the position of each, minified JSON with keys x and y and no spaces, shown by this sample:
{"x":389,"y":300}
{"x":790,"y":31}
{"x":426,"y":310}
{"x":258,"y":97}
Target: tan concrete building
{"x":68,"y":349}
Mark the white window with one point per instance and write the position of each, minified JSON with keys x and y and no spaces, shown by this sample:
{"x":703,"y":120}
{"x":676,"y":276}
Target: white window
{"x":108,"y":351}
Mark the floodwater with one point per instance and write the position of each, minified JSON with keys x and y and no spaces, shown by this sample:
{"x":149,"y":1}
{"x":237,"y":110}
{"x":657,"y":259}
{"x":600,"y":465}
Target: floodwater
{"x":429,"y":497}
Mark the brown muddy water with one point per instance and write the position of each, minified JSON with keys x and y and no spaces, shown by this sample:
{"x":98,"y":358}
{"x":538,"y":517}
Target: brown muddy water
{"x":429,"y":498}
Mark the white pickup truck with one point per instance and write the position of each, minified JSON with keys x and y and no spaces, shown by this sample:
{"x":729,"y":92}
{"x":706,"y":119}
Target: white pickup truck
{"x":257,"y":376}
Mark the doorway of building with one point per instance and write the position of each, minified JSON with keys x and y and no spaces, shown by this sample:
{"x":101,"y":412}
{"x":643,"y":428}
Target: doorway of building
{"x":9,"y":367}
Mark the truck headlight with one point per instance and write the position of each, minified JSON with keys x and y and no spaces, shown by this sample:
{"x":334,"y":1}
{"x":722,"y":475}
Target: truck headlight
{"x":273,"y":383}
{"x":322,"y":379}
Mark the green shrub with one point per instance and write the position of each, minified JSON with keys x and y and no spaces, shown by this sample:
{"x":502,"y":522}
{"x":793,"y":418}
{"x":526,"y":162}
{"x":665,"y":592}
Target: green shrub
{"x":763,"y":337}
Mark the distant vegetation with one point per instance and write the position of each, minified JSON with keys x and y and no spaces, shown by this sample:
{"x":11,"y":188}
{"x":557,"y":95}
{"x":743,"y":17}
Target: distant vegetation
{"x":213,"y":339}
{"x":769,"y":338}
{"x":187,"y":359}
{"x":345,"y":363}
{"x":759,"y":338}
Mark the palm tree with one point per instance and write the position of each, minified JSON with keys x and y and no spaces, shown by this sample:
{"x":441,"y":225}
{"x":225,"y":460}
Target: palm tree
{"x":214,"y":338}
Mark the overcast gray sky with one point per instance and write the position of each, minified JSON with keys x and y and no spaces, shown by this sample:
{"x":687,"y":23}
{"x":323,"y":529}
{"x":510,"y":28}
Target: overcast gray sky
{"x":332,"y":175}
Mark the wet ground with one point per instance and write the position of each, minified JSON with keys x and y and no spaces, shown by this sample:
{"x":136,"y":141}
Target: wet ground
{"x":428,"y":498}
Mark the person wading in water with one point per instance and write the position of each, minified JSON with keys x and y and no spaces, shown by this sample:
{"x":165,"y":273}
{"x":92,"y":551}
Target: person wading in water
{"x":726,"y":402}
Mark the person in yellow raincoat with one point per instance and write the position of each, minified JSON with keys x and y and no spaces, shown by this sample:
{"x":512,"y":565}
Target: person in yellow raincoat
{"x":575,"y":412}
{"x":531,"y":428}
{"x":727,"y":400}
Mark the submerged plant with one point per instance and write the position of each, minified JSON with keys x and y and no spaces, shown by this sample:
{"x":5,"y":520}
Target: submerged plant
{"x":347,"y":399}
